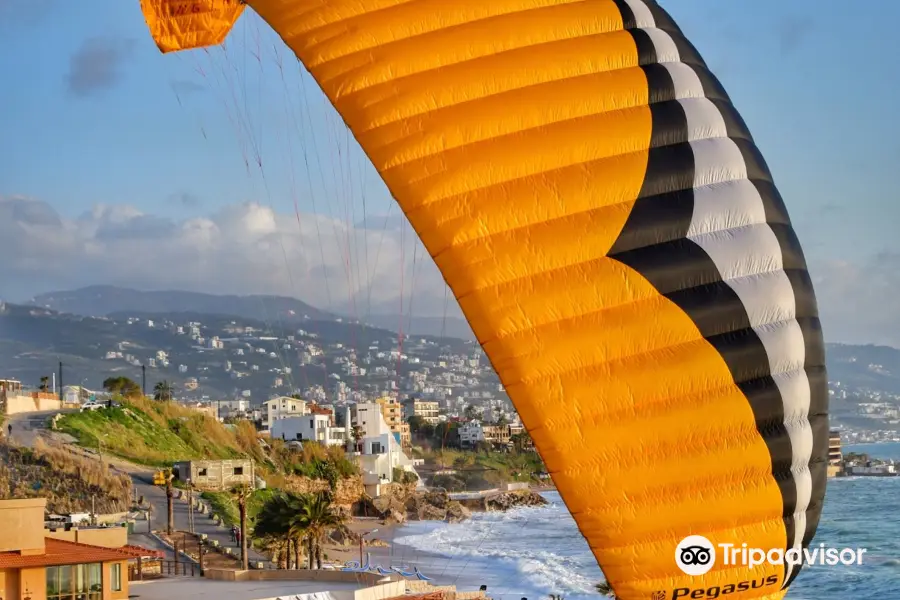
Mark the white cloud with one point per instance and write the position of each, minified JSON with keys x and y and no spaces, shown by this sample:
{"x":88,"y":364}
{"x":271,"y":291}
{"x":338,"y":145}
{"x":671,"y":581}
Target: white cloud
{"x":248,"y":249}
{"x":241,"y":249}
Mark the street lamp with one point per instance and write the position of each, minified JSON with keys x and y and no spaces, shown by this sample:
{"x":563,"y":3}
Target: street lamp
{"x":361,"y":538}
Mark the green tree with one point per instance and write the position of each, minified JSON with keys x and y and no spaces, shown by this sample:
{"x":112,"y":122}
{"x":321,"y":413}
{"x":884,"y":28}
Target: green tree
{"x":281,"y":523}
{"x":241,"y":493}
{"x":420,"y":428}
{"x":446,"y":434}
{"x":122,"y":386}
{"x":320,"y":520}
{"x":404,"y":477}
{"x":163,"y":391}
{"x":45,"y":386}
{"x":522,"y":442}
{"x":357,"y":434}
{"x":471,"y":413}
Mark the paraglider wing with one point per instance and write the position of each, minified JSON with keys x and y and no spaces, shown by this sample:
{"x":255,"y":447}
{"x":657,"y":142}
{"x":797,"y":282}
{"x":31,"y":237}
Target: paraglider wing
{"x":616,"y":241}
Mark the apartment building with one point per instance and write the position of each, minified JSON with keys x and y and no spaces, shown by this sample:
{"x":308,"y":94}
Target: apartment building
{"x":392,"y":412}
{"x":429,"y":410}
{"x":282,"y":407}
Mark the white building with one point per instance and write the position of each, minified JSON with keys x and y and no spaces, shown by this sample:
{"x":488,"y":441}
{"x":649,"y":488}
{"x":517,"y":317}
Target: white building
{"x":378,"y":451}
{"x":470,"y":433}
{"x":232,"y":407}
{"x":282,"y":407}
{"x":309,"y":427}
{"x":427,"y":410}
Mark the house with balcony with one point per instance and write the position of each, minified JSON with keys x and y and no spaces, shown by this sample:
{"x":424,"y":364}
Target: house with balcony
{"x":471,"y":433}
{"x":378,"y":451}
{"x":282,"y":407}
{"x":316,"y":427}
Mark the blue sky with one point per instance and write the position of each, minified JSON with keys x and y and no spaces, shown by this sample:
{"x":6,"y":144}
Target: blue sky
{"x":91,"y":115}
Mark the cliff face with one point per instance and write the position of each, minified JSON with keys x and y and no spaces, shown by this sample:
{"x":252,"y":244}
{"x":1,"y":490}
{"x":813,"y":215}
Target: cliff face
{"x":348,"y":492}
{"x":404,"y":505}
{"x":504,"y":501}
{"x":399,"y":503}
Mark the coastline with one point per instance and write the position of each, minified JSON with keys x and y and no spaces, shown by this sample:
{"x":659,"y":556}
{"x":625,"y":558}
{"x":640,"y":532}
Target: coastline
{"x":445,"y":561}
{"x":388,"y":550}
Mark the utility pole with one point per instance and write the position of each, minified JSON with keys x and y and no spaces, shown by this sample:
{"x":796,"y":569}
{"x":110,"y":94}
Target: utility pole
{"x":170,"y":526}
{"x":60,"y":382}
{"x":143,"y":380}
{"x":242,"y":492}
{"x":190,"y":506}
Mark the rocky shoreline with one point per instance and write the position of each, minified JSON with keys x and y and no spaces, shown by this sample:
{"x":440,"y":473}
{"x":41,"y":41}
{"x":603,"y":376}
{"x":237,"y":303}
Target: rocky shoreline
{"x":402,"y":505}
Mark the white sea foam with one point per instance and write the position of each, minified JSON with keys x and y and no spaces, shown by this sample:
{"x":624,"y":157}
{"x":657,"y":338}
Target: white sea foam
{"x":533,"y":552}
{"x":527,"y":552}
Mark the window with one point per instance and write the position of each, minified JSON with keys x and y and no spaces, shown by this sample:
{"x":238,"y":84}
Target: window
{"x":239,"y":470}
{"x":75,"y":582}
{"x":116,"y":576}
{"x":311,"y":422}
{"x":201,"y":472}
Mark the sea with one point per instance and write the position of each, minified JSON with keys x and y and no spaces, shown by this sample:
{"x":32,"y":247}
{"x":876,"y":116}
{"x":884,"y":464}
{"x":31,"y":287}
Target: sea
{"x":534,"y":552}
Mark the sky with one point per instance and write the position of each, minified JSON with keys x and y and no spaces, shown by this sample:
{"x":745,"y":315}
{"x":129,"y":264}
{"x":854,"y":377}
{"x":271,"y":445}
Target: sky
{"x":226,"y":171}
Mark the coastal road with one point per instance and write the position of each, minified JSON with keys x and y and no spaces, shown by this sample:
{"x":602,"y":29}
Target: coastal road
{"x":28,"y":427}
{"x":156,"y":497}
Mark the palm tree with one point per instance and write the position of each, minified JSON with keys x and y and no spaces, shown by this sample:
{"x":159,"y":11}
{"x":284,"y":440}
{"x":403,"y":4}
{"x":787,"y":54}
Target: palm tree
{"x":603,"y":588}
{"x":319,"y":520}
{"x":357,"y":434}
{"x":162,"y":391}
{"x":282,"y":518}
{"x":241,"y":493}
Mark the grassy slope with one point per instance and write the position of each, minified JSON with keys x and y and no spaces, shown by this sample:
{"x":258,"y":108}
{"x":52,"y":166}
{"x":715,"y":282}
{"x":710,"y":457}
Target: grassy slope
{"x":67,"y":480}
{"x":154,"y":433}
{"x":225,"y":505}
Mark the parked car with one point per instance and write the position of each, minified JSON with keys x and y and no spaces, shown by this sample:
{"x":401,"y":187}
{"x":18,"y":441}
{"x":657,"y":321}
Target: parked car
{"x":91,"y":406}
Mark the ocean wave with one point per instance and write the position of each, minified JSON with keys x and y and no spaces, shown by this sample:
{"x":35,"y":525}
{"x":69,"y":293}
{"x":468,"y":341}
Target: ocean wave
{"x":533,"y":552}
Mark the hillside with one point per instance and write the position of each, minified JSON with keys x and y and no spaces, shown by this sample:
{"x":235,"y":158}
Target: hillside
{"x":103,"y":300}
{"x":33,"y":340}
{"x":106,"y":301}
{"x":156,"y":433}
{"x":69,"y":481}
{"x":159,"y":433}
{"x":865,"y":367}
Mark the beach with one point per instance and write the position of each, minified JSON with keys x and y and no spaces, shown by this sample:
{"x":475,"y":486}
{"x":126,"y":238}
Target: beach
{"x":496,"y":549}
{"x":532,"y":552}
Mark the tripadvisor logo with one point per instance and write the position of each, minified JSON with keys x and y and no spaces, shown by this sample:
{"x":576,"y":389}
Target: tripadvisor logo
{"x":696,"y":555}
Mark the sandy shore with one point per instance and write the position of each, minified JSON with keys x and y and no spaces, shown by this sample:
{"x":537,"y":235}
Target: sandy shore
{"x":380,"y":544}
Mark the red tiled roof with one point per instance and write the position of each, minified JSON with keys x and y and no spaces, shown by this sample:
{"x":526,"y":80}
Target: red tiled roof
{"x":62,"y":552}
{"x":436,"y":595}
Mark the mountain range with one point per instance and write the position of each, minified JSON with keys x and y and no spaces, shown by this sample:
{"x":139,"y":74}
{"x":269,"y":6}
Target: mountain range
{"x":34,"y":340}
{"x":80,"y":323}
{"x":105,"y":300}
